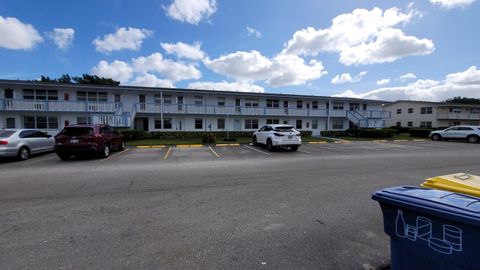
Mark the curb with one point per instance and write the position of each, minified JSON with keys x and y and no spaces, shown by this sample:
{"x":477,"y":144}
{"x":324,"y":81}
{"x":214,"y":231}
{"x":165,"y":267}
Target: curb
{"x":149,"y":146}
{"x":226,"y":144}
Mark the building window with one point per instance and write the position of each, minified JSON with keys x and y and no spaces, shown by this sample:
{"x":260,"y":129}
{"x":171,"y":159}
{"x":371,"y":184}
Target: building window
{"x":364,"y":107}
{"x":251,"y":123}
{"x":40,"y":122}
{"x":410,"y":110}
{"x":40,"y":94}
{"x":273,"y":103}
{"x":475,"y":110}
{"x":298,"y":124}
{"x":251,"y":103}
{"x":157,"y":98}
{"x":221,"y":101}
{"x":337,"y":124}
{"x":308,"y":124}
{"x":84,"y":120}
{"x":399,"y":124}
{"x":314,"y":105}
{"x":299,"y":104}
{"x":198,"y":101}
{"x":410,"y":124}
{"x":167,"y":123}
{"x":167,"y":100}
{"x":426,"y":124}
{"x":198,"y":123}
{"x":221,"y":123}
{"x":337,"y":106}
{"x":456,"y":123}
{"x":273,"y":121}
{"x":158,"y":123}
{"x":10,"y":122}
{"x":92,"y":96}
{"x":314,"y":124}
{"x":285,"y":122}
{"x":399,"y":111}
{"x":426,"y":110}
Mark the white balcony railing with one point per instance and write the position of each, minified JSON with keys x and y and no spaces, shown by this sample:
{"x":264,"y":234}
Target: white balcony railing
{"x":459,"y":116}
{"x":57,"y":106}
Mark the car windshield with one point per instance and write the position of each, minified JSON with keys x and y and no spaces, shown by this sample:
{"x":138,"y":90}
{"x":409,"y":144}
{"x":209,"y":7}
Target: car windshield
{"x":285,"y":129}
{"x":77,"y":131}
{"x":6,"y":133}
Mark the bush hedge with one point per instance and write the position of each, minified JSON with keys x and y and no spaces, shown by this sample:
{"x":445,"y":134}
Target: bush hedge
{"x":361,"y":133}
{"x":134,"y":134}
{"x":420,"y":132}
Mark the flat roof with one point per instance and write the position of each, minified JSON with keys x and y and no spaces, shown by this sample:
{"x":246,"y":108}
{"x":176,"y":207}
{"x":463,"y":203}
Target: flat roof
{"x":176,"y":90}
{"x":439,"y":104}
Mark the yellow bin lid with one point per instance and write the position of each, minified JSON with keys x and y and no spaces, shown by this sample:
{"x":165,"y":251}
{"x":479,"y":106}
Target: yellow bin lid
{"x":458,"y":182}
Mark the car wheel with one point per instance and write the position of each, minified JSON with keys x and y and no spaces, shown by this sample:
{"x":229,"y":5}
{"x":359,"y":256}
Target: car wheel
{"x":23,"y":153}
{"x":254,"y":141}
{"x":106,"y":151}
{"x":64,"y":156}
{"x":436,"y":137}
{"x":269,"y":145}
{"x":122,"y":146}
{"x":472,"y":139}
{"x":294,"y":148}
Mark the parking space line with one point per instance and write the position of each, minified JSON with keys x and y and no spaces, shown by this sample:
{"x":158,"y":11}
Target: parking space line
{"x":303,"y":151}
{"x":316,"y":142}
{"x":114,"y":156}
{"x":167,"y":153}
{"x":213,"y":151}
{"x":226,"y":144}
{"x":251,"y":148}
{"x":33,"y":161}
{"x":189,"y":145}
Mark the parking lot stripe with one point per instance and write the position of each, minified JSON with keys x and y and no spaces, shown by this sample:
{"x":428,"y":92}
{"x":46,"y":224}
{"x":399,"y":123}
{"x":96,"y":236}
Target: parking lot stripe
{"x":303,"y":151}
{"x":189,"y":145}
{"x":167,"y":153}
{"x":226,"y":144}
{"x":419,"y":140}
{"x":251,"y":148}
{"x":400,"y":140}
{"x":116,"y":155}
{"x":378,"y":141}
{"x":38,"y":159}
{"x":213,"y":151}
{"x":316,"y":142}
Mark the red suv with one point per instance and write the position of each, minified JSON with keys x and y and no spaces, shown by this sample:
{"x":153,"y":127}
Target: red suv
{"x":79,"y":139}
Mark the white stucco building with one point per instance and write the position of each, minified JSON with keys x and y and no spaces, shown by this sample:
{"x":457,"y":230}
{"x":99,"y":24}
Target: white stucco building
{"x":423,"y":114}
{"x":51,"y":106}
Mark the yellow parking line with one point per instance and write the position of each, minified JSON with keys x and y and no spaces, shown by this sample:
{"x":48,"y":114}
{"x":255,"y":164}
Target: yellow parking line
{"x":143,"y":146}
{"x":419,"y":140}
{"x":167,"y":153}
{"x":226,"y":144}
{"x":150,"y":146}
{"x":400,"y":140}
{"x":377,"y":141}
{"x":157,"y":146}
{"x":322,"y":142}
{"x":337,"y":142}
{"x":213,"y":151}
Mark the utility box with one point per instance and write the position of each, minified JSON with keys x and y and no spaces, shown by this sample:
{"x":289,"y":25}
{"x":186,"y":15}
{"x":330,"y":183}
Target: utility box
{"x":431,"y":229}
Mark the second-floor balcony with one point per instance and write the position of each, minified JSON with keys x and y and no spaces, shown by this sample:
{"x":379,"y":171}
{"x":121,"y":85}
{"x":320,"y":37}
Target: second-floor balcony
{"x":459,"y":116}
{"x":58,"y":105}
{"x":246,"y":111}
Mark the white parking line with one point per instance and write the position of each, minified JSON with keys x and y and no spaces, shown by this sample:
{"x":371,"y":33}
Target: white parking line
{"x":213,"y":151}
{"x":35,"y":160}
{"x":254,"y":149}
{"x":303,"y":151}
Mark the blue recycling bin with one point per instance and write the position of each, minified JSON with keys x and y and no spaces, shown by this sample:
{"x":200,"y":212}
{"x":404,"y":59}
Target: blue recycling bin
{"x":431,"y":229}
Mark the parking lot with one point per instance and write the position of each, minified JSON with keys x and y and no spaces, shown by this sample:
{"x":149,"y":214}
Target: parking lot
{"x":209,"y":207}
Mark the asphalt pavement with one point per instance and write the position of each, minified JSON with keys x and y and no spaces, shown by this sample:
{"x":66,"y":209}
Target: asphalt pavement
{"x":213,"y":207}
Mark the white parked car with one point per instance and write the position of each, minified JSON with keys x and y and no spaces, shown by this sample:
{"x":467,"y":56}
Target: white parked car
{"x":469,"y":133}
{"x":24,"y":142}
{"x":277,"y":135}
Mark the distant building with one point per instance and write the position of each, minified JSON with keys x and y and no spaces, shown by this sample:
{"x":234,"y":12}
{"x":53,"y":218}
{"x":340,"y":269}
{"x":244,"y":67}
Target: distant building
{"x":424,"y":114}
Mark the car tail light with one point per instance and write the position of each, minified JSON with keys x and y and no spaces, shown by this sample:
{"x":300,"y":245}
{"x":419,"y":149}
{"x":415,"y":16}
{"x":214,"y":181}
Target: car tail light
{"x":3,"y":142}
{"x":278,"y":134}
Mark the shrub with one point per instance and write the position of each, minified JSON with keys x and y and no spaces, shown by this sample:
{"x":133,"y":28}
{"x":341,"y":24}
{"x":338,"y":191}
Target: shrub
{"x":372,"y":133}
{"x":135,"y":134}
{"x":401,"y":130}
{"x":420,"y":132}
{"x":208,"y":138}
{"x":334,"y":133}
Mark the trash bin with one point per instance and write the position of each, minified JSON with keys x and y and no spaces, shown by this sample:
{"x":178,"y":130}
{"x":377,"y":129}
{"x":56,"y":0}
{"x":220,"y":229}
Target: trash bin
{"x":457,"y":182}
{"x":431,"y":229}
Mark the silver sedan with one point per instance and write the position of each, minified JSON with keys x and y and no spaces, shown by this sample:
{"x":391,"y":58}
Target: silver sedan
{"x":24,"y":142}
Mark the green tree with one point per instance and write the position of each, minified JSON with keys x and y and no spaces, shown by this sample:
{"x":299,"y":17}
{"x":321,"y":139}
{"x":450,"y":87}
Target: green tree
{"x":463,"y":100}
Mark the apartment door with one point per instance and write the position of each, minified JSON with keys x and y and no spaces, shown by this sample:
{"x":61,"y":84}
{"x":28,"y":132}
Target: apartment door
{"x":237,"y":125}
{"x":8,"y":93}
{"x":180,"y":103}
{"x":237,"y":105}
{"x":180,"y":124}
{"x":141,"y":100}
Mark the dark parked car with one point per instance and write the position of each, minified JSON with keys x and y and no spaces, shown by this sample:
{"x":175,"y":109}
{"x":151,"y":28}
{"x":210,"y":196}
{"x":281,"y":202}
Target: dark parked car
{"x":75,"y":140}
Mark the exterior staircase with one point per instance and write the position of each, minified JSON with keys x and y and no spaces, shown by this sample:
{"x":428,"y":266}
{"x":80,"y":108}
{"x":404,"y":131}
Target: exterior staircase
{"x":371,"y":120}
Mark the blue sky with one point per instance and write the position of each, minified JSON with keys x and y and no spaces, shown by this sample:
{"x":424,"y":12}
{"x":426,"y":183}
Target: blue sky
{"x":424,"y":50}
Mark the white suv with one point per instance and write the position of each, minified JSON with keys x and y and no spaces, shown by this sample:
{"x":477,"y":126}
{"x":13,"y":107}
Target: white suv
{"x":277,"y":135}
{"x":470,"y":133}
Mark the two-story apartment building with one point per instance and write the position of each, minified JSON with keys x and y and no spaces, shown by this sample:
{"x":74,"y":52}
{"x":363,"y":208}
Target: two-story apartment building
{"x":408,"y":113}
{"x":51,"y":106}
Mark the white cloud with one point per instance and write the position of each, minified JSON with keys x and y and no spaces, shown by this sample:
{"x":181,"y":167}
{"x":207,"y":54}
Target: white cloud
{"x":253,"y":32}
{"x":448,"y":4}
{"x":465,"y":83}
{"x":124,"y":38}
{"x":383,"y":81}
{"x":226,"y":86}
{"x":150,"y":80}
{"x":361,"y":37}
{"x":408,"y":76}
{"x":16,"y":35}
{"x":191,"y":11}
{"x":171,"y":70}
{"x":63,"y":37}
{"x":117,"y":70}
{"x":347,"y":78}
{"x":282,"y":70}
{"x":183,"y":50}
